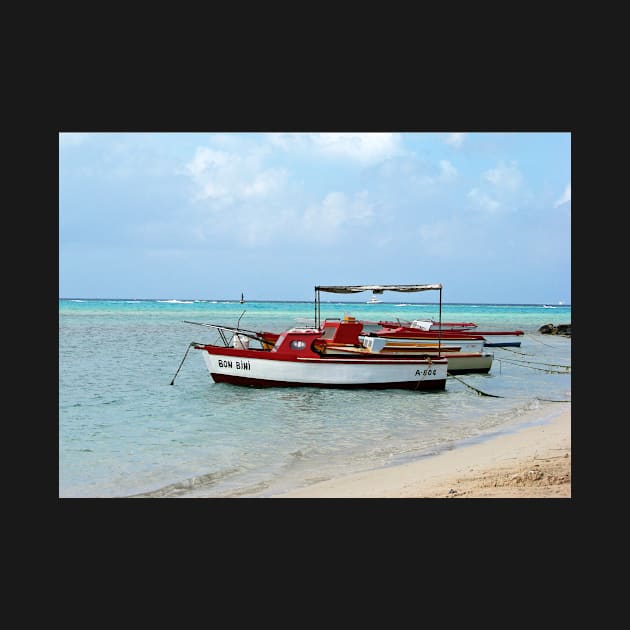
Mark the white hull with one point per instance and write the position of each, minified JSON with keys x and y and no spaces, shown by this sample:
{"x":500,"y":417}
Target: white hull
{"x":458,"y":362}
{"x":473,"y":345}
{"x":462,"y":363}
{"x":337,"y":372}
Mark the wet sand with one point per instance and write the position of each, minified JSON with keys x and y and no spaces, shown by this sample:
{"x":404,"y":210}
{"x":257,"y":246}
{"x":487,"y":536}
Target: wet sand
{"x":533,"y":462}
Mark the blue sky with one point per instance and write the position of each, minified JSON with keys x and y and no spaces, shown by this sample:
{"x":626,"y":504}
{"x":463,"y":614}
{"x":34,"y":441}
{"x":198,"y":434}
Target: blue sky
{"x":211,"y":215}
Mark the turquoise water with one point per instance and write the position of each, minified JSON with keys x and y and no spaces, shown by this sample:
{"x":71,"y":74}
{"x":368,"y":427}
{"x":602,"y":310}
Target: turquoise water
{"x":124,"y":430}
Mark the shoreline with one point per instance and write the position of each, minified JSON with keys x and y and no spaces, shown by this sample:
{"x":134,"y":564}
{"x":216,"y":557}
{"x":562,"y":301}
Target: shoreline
{"x":530,"y":462}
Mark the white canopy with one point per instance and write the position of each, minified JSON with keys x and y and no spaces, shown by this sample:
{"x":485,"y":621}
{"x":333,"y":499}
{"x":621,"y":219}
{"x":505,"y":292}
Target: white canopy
{"x":379,"y":288}
{"x":375,"y":288}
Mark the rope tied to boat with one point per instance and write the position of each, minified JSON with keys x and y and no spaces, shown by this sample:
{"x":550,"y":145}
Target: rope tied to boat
{"x":539,"y":341}
{"x":478,"y":391}
{"x":190,"y":345}
{"x":428,"y":358}
{"x":547,"y":370}
{"x":528,"y":354}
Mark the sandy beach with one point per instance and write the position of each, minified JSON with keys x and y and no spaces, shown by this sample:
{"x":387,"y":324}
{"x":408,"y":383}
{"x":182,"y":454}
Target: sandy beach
{"x":533,"y":462}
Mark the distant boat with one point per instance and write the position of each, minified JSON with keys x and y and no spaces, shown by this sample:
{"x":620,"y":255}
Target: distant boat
{"x":374,"y":300}
{"x":242,"y":300}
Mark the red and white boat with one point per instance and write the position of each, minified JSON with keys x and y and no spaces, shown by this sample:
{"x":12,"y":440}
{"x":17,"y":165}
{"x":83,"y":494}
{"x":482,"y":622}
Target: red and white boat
{"x":430,"y":324}
{"x":293,"y":361}
{"x":493,"y":338}
{"x":300,"y":356}
{"x":345,"y":338}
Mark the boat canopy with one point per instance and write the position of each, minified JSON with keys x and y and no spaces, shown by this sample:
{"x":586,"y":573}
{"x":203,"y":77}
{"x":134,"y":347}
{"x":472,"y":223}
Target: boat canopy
{"x":379,"y":288}
{"x":376,"y":289}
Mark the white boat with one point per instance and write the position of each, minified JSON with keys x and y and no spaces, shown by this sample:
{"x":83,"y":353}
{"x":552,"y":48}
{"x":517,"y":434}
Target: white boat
{"x":292,"y":362}
{"x":399,"y":337}
{"x":374,"y":300}
{"x":295,"y":357}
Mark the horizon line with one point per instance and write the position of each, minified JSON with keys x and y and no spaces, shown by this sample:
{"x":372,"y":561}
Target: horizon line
{"x":303,"y":301}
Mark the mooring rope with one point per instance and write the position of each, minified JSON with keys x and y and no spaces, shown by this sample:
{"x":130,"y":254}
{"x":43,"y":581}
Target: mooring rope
{"x":474,"y":388}
{"x":567,"y":368}
{"x":190,"y":345}
{"x":539,"y":341}
{"x":529,"y":354}
{"x":422,"y":378}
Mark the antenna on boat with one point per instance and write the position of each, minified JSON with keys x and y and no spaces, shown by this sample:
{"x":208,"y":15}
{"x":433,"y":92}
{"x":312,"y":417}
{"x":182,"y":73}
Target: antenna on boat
{"x":440,"y":336}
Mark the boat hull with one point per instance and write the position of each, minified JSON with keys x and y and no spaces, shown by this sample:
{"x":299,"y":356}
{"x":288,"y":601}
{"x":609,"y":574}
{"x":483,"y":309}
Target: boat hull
{"x":462,"y":345}
{"x":246,"y":368}
{"x":500,"y":341}
{"x":470,"y":363}
{"x":476,"y":362}
{"x":493,"y":338}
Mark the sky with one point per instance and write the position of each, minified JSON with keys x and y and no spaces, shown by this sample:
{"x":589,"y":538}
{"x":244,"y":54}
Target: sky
{"x":170,"y":215}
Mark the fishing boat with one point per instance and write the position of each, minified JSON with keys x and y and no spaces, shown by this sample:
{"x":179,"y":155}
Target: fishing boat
{"x":345,"y":338}
{"x":298,"y":356}
{"x":242,"y":299}
{"x":374,"y":300}
{"x":492,"y":338}
{"x":430,"y":324}
{"x":294,"y":362}
{"x":464,"y":350}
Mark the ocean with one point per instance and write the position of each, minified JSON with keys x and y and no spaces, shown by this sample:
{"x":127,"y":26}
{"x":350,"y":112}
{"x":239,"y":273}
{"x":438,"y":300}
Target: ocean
{"x":125,"y":431}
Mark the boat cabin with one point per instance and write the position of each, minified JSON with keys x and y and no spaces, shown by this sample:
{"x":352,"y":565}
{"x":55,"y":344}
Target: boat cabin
{"x":346,"y":330}
{"x":297,"y":341}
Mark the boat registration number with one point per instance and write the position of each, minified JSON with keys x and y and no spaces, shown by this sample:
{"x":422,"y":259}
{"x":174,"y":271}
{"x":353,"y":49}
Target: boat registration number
{"x":426,"y":372}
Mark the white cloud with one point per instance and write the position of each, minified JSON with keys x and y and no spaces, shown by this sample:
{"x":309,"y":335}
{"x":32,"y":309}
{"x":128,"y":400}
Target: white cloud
{"x":358,"y":147}
{"x":504,"y":177}
{"x":455,"y":139}
{"x":337,"y":210}
{"x":566,"y":196}
{"x":500,"y":189}
{"x":483,"y":200}
{"x":408,"y":177}
{"x":228,"y":177}
{"x":447,"y":171}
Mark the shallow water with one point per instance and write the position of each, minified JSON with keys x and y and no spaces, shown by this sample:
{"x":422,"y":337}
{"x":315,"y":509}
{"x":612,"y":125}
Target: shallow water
{"x":125,"y":431}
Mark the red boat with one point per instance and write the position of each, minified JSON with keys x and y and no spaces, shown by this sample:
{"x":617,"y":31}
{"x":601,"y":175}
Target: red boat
{"x":492,"y":338}
{"x":429,"y":324}
{"x":301,"y":357}
{"x":344,"y":338}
